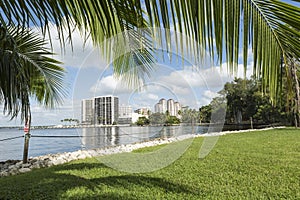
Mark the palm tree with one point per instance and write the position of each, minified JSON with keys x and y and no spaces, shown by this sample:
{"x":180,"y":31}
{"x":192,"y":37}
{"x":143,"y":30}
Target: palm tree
{"x":269,"y":27}
{"x":26,"y":70}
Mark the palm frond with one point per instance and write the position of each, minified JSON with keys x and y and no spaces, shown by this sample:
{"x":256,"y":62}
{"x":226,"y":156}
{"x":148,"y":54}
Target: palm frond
{"x":26,"y":70}
{"x":270,"y":27}
{"x":99,"y":20}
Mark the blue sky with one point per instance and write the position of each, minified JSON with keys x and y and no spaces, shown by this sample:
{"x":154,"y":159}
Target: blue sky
{"x":88,"y":75}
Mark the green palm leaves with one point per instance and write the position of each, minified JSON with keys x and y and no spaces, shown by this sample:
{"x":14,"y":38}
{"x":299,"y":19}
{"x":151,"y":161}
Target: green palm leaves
{"x":227,"y":28}
{"x":25,"y":71}
{"x":269,"y":27}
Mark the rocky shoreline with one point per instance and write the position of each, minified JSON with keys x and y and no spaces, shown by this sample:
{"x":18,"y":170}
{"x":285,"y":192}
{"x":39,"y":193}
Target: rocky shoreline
{"x":13,"y":167}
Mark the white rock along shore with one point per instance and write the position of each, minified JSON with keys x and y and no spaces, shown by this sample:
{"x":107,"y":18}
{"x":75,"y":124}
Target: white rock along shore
{"x":13,"y":167}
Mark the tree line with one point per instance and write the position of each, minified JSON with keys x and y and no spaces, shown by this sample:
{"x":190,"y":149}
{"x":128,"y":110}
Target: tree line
{"x":246,"y":103}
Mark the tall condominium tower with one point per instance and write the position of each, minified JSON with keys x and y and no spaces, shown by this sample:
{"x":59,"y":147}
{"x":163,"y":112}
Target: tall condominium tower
{"x":177,"y":108}
{"x":158,"y":108}
{"x":164,"y":107}
{"x":106,"y":110}
{"x":87,"y":111}
{"x":170,"y":107}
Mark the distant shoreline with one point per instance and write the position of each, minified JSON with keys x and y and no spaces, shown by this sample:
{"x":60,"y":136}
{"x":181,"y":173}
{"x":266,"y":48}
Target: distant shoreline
{"x":225,"y":126}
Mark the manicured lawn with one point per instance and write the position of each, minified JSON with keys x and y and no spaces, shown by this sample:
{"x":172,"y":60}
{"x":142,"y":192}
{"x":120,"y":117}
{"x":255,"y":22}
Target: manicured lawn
{"x":252,"y":165}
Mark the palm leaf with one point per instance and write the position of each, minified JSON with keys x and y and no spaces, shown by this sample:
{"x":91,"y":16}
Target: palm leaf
{"x":26,"y":70}
{"x":96,"y":19}
{"x":270,"y":27}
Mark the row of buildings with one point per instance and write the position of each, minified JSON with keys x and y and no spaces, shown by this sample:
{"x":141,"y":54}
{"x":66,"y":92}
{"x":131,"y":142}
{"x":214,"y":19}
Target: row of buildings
{"x":105,"y":110}
{"x":169,"y":105}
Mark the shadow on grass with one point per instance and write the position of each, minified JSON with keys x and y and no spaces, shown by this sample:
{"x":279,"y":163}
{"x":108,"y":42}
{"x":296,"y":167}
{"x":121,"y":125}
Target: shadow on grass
{"x":92,"y":180}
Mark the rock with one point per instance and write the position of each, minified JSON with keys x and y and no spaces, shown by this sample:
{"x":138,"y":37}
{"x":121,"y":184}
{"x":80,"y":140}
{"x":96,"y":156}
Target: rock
{"x":58,"y":162}
{"x":87,"y":155}
{"x":26,"y":165}
{"x":4,"y":173}
{"x":24,"y":170}
{"x":11,"y":167}
{"x":74,"y":155}
{"x":18,"y":164}
{"x":37,"y":164}
{"x":93,"y":153}
{"x":48,"y":163}
{"x":81,"y":156}
{"x":31,"y":161}
{"x":13,"y":170}
{"x":46,"y":158}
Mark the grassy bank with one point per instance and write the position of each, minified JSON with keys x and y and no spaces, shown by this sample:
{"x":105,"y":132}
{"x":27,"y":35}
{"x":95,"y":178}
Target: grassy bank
{"x":251,"y":165}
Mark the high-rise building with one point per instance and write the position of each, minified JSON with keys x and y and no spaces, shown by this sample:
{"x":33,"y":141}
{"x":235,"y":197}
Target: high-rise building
{"x":163,"y":103}
{"x":158,"y":108}
{"x":177,"y":108}
{"x":87,"y":111}
{"x":125,"y":114}
{"x":170,"y":107}
{"x":106,"y":110}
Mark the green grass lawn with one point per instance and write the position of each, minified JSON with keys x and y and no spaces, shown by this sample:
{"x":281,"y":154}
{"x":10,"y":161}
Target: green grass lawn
{"x":252,"y":165}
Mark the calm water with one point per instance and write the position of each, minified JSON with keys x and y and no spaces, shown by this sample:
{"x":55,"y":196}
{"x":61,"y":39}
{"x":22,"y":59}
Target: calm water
{"x":85,"y":138}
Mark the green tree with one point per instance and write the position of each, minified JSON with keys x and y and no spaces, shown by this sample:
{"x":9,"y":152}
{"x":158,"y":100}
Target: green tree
{"x":26,"y":71}
{"x":205,"y":114}
{"x":172,"y":120}
{"x":245,"y":101}
{"x":142,"y":121}
{"x":157,"y":118}
{"x":190,"y":116}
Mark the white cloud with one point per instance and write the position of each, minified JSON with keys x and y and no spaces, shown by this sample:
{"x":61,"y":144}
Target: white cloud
{"x":109,"y":85}
{"x":206,"y":97}
{"x":210,"y":94}
{"x":152,"y":97}
{"x":80,"y":54}
{"x":190,"y":78}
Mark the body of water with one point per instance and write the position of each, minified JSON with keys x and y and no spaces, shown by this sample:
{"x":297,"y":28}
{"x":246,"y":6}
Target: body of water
{"x":48,"y":141}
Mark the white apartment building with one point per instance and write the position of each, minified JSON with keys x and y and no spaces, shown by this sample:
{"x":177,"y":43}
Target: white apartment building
{"x":163,"y":103}
{"x":158,"y":108}
{"x":106,"y":110}
{"x":125,"y":114}
{"x":87,"y":111}
{"x":170,"y":107}
{"x":177,"y":108}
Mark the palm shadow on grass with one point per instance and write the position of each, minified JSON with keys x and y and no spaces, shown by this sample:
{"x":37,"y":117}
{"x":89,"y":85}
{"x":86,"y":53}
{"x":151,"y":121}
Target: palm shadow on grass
{"x":91,"y":182}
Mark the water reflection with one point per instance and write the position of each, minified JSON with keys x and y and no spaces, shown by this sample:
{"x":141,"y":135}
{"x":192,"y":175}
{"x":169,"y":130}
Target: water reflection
{"x":100,"y":137}
{"x":111,"y":136}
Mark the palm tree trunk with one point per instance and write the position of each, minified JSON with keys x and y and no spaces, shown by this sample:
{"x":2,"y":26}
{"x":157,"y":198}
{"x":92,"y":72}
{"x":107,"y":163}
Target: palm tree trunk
{"x":297,"y":93}
{"x":27,"y":137}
